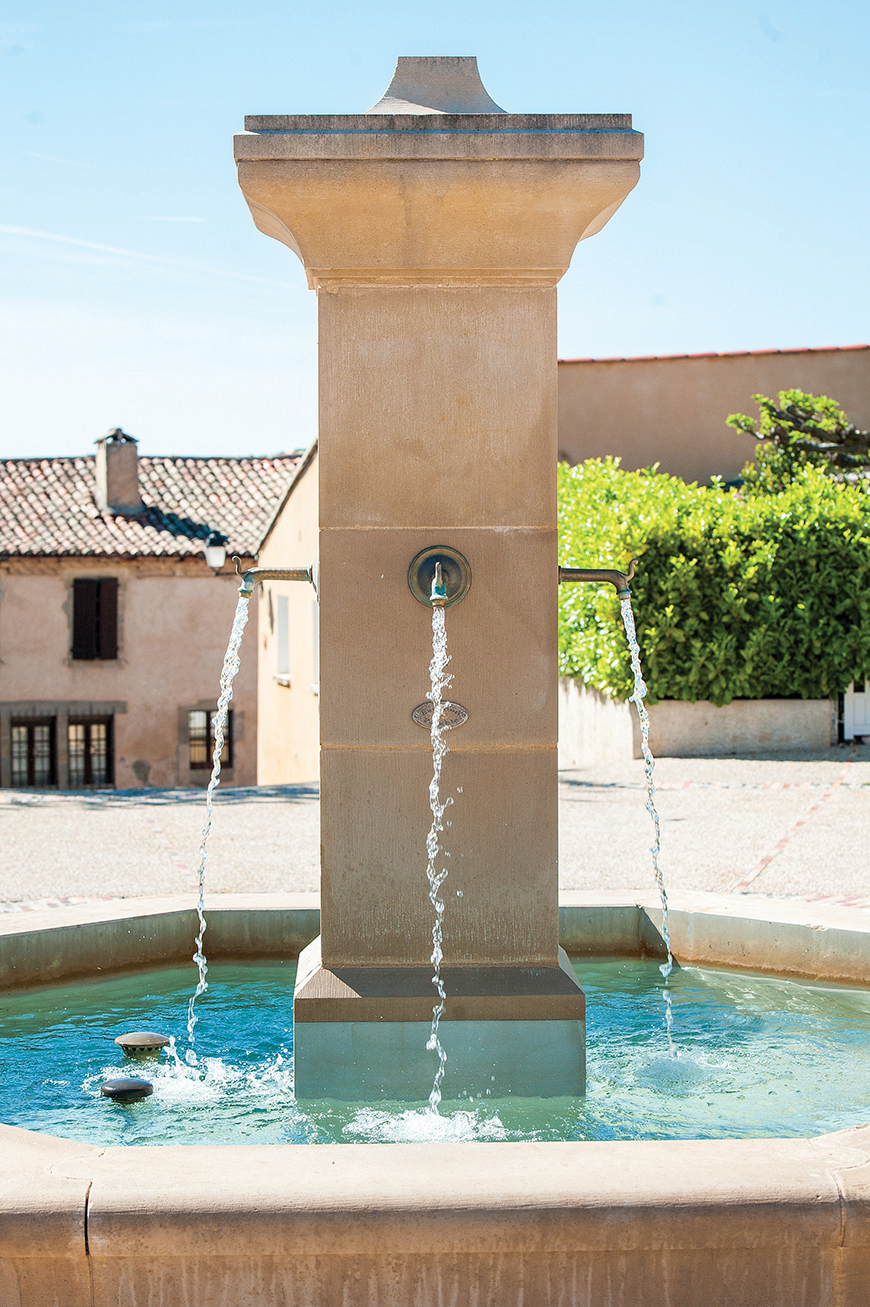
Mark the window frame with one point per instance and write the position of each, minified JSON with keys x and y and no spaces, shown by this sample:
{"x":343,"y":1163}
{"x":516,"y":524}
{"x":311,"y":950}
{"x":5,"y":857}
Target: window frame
{"x":88,"y":783}
{"x":227,"y":755}
{"x":94,"y":619}
{"x":282,"y":636}
{"x":29,"y":724}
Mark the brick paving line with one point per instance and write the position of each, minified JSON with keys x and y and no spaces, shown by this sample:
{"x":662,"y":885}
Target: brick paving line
{"x":850,"y":901}
{"x":171,"y":852}
{"x":742,"y":885}
{"x":70,"y":900}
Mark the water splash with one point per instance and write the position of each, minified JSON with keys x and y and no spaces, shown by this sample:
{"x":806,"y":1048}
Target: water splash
{"x":637,"y":699}
{"x":232,"y":662}
{"x":408,"y":1126}
{"x":439,"y":681}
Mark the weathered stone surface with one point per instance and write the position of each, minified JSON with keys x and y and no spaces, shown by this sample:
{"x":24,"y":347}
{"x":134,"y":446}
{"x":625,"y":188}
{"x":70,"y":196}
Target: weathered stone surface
{"x":594,"y":729}
{"x":44,"y":1185}
{"x":737,"y":1223}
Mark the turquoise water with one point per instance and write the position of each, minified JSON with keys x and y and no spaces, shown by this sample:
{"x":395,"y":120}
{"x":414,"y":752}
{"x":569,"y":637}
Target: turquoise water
{"x":757,"y":1056}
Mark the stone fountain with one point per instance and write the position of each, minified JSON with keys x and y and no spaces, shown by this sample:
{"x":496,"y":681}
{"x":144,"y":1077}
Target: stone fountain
{"x":434,"y":229}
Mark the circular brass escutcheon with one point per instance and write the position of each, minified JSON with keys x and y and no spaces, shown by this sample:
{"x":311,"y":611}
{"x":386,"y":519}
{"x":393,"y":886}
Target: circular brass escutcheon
{"x":455,"y":570}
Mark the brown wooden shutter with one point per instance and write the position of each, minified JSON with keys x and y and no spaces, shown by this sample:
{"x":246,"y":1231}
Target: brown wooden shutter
{"x":84,"y":643}
{"x":107,"y":612}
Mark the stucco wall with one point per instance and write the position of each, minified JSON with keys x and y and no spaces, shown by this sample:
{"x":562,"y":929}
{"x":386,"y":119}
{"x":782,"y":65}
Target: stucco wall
{"x":594,"y":729}
{"x":672,"y":411}
{"x":289,"y":727}
{"x":174,"y":621}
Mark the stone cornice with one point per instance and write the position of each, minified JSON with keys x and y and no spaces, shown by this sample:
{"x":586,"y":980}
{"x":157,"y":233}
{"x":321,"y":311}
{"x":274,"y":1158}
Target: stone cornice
{"x":439,"y":136}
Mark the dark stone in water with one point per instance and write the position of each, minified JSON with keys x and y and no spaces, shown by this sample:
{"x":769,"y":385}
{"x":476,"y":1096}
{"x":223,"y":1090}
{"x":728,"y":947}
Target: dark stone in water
{"x":127,"y":1089}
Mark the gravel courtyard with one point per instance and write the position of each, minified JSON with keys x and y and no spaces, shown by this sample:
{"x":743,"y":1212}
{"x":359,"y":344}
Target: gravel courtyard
{"x":794,"y":826}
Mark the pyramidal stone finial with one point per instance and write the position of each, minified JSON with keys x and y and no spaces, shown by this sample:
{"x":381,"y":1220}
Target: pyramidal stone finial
{"x":436,"y":84}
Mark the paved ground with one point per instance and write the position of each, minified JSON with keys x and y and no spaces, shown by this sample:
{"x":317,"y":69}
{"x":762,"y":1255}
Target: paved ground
{"x":784,"y":826}
{"x":797,"y":825}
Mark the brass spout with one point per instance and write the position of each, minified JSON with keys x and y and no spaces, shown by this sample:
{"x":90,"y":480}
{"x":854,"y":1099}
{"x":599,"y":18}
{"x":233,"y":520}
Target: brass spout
{"x":439,"y":576}
{"x":256,"y":575}
{"x":438,"y":595}
{"x":602,"y":575}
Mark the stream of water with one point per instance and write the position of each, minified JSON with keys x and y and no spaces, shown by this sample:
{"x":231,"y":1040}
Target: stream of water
{"x":231,"y":665}
{"x":439,"y":680}
{"x":637,"y":699}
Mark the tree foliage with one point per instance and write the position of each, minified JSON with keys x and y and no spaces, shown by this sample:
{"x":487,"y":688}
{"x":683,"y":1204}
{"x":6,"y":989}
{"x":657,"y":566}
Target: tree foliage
{"x":800,"y":430}
{"x":737,"y":595}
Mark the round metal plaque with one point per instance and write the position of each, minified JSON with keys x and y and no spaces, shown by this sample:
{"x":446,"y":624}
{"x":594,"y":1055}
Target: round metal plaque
{"x":452,"y":715}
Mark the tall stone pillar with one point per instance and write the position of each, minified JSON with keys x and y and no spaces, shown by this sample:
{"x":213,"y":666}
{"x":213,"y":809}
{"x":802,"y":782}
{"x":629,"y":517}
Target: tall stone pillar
{"x":434,"y":229}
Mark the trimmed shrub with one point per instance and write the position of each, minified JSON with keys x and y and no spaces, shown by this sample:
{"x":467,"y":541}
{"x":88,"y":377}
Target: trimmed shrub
{"x":738,"y":595}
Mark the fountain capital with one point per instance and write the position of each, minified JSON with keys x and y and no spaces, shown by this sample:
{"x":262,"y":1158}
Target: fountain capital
{"x":436,"y":185}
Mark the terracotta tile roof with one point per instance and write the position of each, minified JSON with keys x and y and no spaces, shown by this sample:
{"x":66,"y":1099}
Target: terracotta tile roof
{"x":47,"y":506}
{"x":726,"y":354}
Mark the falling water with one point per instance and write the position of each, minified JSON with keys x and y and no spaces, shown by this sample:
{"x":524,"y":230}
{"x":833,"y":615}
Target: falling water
{"x":228,"y":672}
{"x":439,"y":681}
{"x":637,"y":699}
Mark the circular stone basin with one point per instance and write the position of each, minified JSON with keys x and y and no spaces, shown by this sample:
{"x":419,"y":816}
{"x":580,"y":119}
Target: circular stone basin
{"x":754,"y":1056}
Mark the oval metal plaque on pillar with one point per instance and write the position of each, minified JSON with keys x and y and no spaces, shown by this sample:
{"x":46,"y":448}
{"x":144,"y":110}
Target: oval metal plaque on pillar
{"x":452,"y":715}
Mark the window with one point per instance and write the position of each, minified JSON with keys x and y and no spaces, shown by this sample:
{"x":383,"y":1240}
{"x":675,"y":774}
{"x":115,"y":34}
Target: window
{"x":282,"y":667}
{"x":95,"y":618}
{"x":90,"y":753}
{"x":33,"y":753}
{"x":314,"y":687}
{"x":201,"y":735}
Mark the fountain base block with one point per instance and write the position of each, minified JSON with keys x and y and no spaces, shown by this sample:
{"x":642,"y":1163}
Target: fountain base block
{"x":360,"y":1033}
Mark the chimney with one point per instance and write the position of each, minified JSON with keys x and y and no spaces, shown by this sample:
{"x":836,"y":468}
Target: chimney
{"x":118,"y":474}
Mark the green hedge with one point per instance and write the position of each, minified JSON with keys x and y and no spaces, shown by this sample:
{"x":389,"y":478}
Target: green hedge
{"x":737,"y":595}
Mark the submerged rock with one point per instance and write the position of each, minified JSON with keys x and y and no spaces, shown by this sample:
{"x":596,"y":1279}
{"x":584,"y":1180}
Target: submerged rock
{"x":127,"y":1089}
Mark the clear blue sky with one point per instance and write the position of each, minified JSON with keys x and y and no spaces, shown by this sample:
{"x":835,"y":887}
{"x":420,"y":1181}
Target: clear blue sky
{"x":138,"y":293}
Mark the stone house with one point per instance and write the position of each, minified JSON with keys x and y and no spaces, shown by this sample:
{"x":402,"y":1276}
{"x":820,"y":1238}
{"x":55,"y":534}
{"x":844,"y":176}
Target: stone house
{"x":113,"y":625}
{"x":288,"y":734}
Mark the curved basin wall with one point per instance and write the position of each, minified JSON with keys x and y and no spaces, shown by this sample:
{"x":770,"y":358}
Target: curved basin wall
{"x":783,"y":1223}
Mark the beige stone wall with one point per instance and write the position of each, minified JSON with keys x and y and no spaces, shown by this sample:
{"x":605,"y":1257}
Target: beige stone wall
{"x":438,"y":426}
{"x":594,"y":729}
{"x":174,"y":621}
{"x":288,"y":737}
{"x":672,"y":411}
